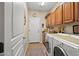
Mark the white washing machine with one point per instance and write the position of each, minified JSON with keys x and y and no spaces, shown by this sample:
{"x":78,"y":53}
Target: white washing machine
{"x":55,"y":46}
{"x":50,"y":44}
{"x":64,"y":49}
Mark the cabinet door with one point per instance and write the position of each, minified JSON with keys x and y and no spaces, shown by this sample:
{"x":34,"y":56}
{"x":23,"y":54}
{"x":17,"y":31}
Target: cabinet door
{"x":76,"y":11}
{"x":59,"y":15}
{"x":49,"y":20}
{"x":46,"y":22}
{"x":53,"y":18}
{"x":68,"y":12}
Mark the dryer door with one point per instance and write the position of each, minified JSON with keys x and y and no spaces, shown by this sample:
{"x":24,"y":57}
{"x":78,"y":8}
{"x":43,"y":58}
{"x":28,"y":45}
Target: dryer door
{"x":58,"y":51}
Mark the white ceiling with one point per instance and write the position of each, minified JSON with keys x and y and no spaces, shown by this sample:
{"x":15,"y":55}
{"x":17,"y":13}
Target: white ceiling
{"x":36,"y":6}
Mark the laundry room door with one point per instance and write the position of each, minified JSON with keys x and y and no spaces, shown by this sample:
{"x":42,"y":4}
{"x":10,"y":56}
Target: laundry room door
{"x":34,"y":29}
{"x":14,"y":25}
{"x":17,"y":29}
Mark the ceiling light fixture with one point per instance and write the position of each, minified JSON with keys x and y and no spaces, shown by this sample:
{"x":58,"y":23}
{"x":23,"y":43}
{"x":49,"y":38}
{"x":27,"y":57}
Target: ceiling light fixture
{"x":43,"y":3}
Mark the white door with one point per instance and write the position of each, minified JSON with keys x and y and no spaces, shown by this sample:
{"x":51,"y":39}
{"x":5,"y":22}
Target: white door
{"x":17,"y":29}
{"x":14,"y":23}
{"x":34,"y":29}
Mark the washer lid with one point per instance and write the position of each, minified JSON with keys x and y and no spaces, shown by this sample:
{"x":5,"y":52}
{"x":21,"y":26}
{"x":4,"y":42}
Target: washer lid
{"x":58,"y":51}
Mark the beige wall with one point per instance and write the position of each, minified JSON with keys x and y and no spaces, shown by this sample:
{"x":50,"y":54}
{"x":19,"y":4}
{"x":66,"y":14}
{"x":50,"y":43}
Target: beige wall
{"x":69,"y":27}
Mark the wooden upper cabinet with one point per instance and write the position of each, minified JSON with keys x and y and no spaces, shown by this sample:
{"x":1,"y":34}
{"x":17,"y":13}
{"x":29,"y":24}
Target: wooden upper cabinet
{"x":48,"y":20}
{"x":53,"y":18}
{"x":68,"y":12}
{"x":59,"y":15}
{"x":76,"y":11}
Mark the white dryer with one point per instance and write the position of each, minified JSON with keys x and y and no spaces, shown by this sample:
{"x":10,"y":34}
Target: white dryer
{"x":62,"y":48}
{"x":58,"y":48}
{"x":70,"y":49}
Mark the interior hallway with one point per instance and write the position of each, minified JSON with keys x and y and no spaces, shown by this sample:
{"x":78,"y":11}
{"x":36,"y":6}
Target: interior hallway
{"x":36,"y":49}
